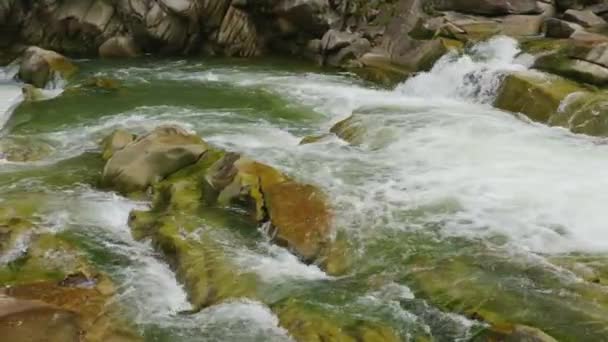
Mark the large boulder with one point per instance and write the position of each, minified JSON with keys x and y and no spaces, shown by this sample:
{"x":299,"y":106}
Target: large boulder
{"x":309,"y":322}
{"x":573,"y":68}
{"x":584,"y":113}
{"x":151,"y":158}
{"x":557,"y":28}
{"x":338,"y":48}
{"x":585,"y":18}
{"x":119,"y":46}
{"x":299,"y":215}
{"x":488,"y":7}
{"x":312,"y":16}
{"x":538,"y":96}
{"x":39,"y":66}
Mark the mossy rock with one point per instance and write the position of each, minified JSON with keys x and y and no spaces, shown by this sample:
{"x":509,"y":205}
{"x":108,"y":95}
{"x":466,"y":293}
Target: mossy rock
{"x":352,"y":129}
{"x":487,"y":287}
{"x":312,"y":139}
{"x":584,"y":113}
{"x":512,"y":333}
{"x":300,"y":217}
{"x":312,"y":323}
{"x":542,"y":46}
{"x":536,"y":95}
{"x":208,"y":275}
{"x":98,"y":319}
{"x":575,"y":69}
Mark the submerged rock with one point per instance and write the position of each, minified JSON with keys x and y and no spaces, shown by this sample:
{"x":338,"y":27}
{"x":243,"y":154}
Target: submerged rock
{"x":39,"y":67}
{"x":309,"y":322}
{"x":152,"y":157}
{"x":352,"y":129}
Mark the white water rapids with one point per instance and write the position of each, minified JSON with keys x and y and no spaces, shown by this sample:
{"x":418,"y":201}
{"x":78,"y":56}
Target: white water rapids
{"x":436,"y":153}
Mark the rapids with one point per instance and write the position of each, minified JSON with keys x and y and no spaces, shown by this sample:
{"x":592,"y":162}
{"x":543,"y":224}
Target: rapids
{"x":442,"y":179}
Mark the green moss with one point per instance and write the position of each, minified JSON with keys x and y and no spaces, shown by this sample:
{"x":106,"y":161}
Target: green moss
{"x":311,"y":322}
{"x":536,"y":96}
{"x":585,"y":113}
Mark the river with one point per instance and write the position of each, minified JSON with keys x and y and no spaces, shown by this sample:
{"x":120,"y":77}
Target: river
{"x":453,"y":204}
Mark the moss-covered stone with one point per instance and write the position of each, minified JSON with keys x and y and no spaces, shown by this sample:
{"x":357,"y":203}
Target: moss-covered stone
{"x":538,"y":96}
{"x":310,"y":322}
{"x":585,"y":113}
{"x":351,"y":129}
{"x":311,"y":139}
{"x":575,"y":69}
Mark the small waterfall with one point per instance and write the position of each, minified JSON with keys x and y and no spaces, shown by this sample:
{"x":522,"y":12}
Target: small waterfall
{"x":10,"y":92}
{"x":473,"y":76}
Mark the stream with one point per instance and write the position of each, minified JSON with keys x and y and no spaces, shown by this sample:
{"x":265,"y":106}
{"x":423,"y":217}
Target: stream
{"x":453,"y":205}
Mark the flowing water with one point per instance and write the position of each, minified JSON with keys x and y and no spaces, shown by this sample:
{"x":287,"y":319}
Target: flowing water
{"x":453,"y":206}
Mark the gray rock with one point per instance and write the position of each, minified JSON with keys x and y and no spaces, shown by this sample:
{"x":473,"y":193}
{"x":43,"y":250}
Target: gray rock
{"x":39,"y":66}
{"x":489,"y":7}
{"x":557,"y":28}
{"x":119,"y":47}
{"x":152,"y":157}
{"x":584,"y":18}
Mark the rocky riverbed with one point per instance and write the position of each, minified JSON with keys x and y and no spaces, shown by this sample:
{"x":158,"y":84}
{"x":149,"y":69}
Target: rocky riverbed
{"x":303,"y":170}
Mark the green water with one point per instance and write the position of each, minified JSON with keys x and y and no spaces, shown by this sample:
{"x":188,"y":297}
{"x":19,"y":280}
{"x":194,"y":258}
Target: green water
{"x":456,"y":211}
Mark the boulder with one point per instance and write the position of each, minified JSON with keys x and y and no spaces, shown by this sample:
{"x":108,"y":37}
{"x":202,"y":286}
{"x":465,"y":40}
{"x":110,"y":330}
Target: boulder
{"x":378,"y":67}
{"x":582,"y":36}
{"x":151,"y":158}
{"x":522,"y":25}
{"x":166,"y":29}
{"x":576,"y":69}
{"x":311,"y":16}
{"x":563,"y":5}
{"x":116,"y":141}
{"x":584,"y":113}
{"x":310,"y":322}
{"x":299,"y":216}
{"x":179,"y":7}
{"x":538,"y":96}
{"x":119,"y":46}
{"x":24,"y":149}
{"x":488,"y":7}
{"x":208,"y":275}
{"x":585,"y":18}
{"x":593,"y":53}
{"x":557,"y":28}
{"x":352,"y":129}
{"x":39,"y":67}
{"x":512,"y":333}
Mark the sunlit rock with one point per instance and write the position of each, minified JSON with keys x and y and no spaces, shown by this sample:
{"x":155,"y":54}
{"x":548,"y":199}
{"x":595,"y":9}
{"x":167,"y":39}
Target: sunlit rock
{"x":116,"y":141}
{"x":152,"y":157}
{"x":538,"y":96}
{"x":39,"y":66}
